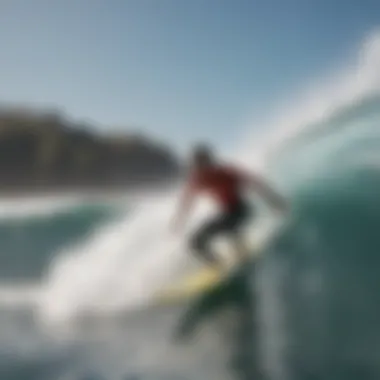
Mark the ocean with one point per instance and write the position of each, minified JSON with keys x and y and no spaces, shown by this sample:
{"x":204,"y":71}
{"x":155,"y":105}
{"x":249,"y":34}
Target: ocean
{"x":78,"y":275}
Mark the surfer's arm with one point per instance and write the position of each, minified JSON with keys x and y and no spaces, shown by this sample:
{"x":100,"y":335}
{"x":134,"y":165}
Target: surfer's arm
{"x":260,"y":186}
{"x":185,"y":205}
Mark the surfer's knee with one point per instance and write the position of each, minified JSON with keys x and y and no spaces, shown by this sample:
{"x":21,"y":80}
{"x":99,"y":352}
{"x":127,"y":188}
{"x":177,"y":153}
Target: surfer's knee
{"x":200,"y":246}
{"x":198,"y":243}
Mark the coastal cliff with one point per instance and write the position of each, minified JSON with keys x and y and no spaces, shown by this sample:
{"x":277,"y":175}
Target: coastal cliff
{"x":47,"y":151}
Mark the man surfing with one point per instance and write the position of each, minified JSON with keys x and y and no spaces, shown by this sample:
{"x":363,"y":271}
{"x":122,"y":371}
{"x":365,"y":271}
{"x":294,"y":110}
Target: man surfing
{"x":226,"y":184}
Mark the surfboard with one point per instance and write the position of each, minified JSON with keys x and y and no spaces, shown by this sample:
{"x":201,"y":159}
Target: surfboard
{"x":205,"y":279}
{"x":197,"y":283}
{"x":192,"y":285}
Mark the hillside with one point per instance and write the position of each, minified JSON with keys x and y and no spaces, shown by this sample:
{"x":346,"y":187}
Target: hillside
{"x":44,"y":150}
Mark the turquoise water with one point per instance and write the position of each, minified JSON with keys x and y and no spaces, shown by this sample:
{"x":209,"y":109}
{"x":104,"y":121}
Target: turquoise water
{"x":319,"y":281}
{"x":28,"y":244}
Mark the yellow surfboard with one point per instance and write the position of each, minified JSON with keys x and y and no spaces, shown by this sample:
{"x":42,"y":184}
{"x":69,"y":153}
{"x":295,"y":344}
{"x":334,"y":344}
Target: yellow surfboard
{"x":196,"y":283}
{"x":207,"y":278}
{"x":191,"y":286}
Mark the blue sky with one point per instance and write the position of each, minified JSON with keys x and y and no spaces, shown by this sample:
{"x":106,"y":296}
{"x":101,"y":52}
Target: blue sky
{"x":180,"y":70}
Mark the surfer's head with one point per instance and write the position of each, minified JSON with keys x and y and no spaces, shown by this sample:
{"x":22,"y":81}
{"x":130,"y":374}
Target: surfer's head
{"x":202,"y":156}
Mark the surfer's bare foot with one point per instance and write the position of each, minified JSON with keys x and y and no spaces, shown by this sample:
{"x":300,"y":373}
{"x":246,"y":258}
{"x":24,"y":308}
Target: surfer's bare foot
{"x":241,"y":249}
{"x":213,"y":263}
{"x":218,"y":267}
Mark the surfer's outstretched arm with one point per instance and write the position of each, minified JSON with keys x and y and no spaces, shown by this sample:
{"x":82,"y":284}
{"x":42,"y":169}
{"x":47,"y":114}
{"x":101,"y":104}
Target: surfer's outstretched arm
{"x":184,"y":207}
{"x":259,"y":185}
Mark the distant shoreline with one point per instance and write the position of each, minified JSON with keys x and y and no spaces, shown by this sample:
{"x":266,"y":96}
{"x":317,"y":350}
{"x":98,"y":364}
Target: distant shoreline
{"x":82,"y":191}
{"x":47,"y":152}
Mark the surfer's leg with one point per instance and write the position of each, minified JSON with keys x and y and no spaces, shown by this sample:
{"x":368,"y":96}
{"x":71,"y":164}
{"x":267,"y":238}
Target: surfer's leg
{"x":239,"y":246}
{"x":228,"y":223}
{"x":234,"y":222}
{"x":200,"y":242}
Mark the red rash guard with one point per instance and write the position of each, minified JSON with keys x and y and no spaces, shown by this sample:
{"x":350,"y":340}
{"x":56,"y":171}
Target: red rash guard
{"x":222,"y":183}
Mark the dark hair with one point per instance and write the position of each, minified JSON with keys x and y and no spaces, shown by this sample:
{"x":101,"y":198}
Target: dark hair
{"x":202,"y":154}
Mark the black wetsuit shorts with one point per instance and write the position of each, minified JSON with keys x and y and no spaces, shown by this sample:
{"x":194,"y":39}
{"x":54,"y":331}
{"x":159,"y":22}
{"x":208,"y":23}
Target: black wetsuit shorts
{"x":227,"y":223}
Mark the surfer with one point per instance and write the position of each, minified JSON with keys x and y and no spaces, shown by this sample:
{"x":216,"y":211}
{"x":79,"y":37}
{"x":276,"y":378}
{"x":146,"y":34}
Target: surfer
{"x":226,"y":184}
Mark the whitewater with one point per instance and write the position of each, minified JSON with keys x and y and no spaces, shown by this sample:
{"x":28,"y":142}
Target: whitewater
{"x":317,"y":282}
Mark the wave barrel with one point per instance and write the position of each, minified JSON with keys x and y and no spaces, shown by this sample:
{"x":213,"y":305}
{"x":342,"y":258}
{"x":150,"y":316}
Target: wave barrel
{"x":319,"y":285}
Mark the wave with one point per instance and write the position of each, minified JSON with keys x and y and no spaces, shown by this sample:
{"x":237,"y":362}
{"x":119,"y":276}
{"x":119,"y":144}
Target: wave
{"x":319,"y":280}
{"x":28,"y":244}
{"x":32,"y":207}
{"x":121,"y":264}
{"x":317,"y":283}
{"x":312,"y":107}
